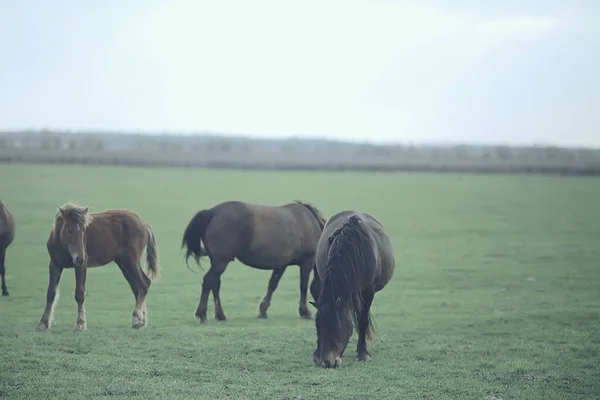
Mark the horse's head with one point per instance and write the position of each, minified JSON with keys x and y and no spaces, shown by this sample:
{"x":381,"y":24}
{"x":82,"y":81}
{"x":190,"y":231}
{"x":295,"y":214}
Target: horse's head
{"x":75,"y":221}
{"x":334,"y":329}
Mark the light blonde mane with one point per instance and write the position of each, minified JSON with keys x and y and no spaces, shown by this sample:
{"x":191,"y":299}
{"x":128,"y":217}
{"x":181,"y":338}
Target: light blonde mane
{"x":76,"y":212}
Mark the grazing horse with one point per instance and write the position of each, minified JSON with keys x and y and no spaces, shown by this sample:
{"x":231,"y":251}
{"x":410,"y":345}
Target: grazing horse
{"x":7,"y":235}
{"x":354,"y":260}
{"x":262,"y":237}
{"x":80,"y":239}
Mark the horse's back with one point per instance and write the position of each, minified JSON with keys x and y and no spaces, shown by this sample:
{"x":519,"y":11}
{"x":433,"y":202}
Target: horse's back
{"x":386,"y":262}
{"x":261,"y":219}
{"x":115,"y":233}
{"x":283,"y":234}
{"x":384,"y":252}
{"x":338,"y":219}
{"x":293,"y":221}
{"x":259,"y":235}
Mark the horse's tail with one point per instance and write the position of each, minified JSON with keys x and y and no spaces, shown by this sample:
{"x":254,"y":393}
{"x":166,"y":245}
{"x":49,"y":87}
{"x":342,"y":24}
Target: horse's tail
{"x":152,"y":255}
{"x":193,"y":234}
{"x":351,"y":258}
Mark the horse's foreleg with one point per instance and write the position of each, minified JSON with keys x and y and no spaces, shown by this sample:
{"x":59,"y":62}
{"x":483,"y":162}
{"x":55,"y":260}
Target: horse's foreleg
{"x":266,"y":300}
{"x":363,"y":326}
{"x":305,"y":268}
{"x":51,"y":296}
{"x":80,"y":276}
{"x":3,"y":271}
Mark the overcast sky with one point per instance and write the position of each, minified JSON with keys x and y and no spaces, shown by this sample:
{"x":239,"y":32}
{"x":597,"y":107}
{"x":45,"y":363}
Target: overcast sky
{"x":448,"y":70}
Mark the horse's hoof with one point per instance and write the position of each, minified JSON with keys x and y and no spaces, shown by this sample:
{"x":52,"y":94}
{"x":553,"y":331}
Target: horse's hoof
{"x":305,"y":312}
{"x":79,"y":328}
{"x":137,"y":322}
{"x":363,"y":357}
{"x":336,"y":363}
{"x":200,"y":320}
{"x":5,"y":294}
{"x":262,"y":316}
{"x":41,"y":328}
{"x":220,"y":318}
{"x":308,"y":316}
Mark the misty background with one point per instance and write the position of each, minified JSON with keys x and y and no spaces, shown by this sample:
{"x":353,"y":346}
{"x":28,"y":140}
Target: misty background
{"x":393,"y":73}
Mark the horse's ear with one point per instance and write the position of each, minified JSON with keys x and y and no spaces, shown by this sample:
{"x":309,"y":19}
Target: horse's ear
{"x":314,"y":304}
{"x":85,"y":210}
{"x":338,"y":302}
{"x":62,"y":212}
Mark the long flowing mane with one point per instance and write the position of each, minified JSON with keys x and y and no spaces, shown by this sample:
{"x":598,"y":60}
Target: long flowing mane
{"x":350,"y":256}
{"x":75,"y":212}
{"x":316,"y":212}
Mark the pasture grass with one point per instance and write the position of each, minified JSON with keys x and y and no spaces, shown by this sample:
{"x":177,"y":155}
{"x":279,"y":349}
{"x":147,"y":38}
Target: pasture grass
{"x":496,"y":294}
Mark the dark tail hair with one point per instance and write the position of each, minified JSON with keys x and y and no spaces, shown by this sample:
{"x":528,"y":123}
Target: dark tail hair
{"x":152,"y":255}
{"x":350,"y":259}
{"x":193,"y":235}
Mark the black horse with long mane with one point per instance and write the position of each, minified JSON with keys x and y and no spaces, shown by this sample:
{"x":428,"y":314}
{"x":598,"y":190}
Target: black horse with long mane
{"x":354,"y":260}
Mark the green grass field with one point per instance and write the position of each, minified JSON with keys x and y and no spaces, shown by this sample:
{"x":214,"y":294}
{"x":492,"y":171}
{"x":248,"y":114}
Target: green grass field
{"x":496,"y":293}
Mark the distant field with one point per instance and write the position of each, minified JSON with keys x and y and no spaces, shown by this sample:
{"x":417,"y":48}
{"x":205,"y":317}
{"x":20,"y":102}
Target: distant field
{"x":496,"y":293}
{"x":243,"y":159}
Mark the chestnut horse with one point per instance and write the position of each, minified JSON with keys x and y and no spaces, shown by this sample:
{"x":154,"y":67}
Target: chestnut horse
{"x":7,"y":235}
{"x":262,"y":237}
{"x":354,"y":260}
{"x":81,"y":239}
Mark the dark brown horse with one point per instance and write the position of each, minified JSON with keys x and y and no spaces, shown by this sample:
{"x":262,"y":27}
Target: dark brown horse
{"x":355,"y":260}
{"x":80,"y":240}
{"x":7,"y":235}
{"x":262,"y":237}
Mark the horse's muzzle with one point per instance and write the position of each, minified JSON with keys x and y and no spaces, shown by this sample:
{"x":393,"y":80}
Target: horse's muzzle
{"x":328,"y":364}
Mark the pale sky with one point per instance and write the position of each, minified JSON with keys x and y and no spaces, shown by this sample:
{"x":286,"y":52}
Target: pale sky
{"x":446,"y":70}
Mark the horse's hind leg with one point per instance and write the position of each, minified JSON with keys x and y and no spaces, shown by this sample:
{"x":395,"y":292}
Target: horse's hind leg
{"x":363,"y":326}
{"x":3,"y":271}
{"x":305,"y":268}
{"x":212,"y":281}
{"x":139,"y":284}
{"x":266,"y":300}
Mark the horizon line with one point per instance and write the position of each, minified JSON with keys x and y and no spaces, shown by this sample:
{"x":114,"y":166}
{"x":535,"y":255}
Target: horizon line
{"x":258,"y":137}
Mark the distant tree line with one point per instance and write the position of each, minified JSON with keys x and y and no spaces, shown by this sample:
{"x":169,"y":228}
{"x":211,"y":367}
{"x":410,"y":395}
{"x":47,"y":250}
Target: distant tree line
{"x":242,"y":152}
